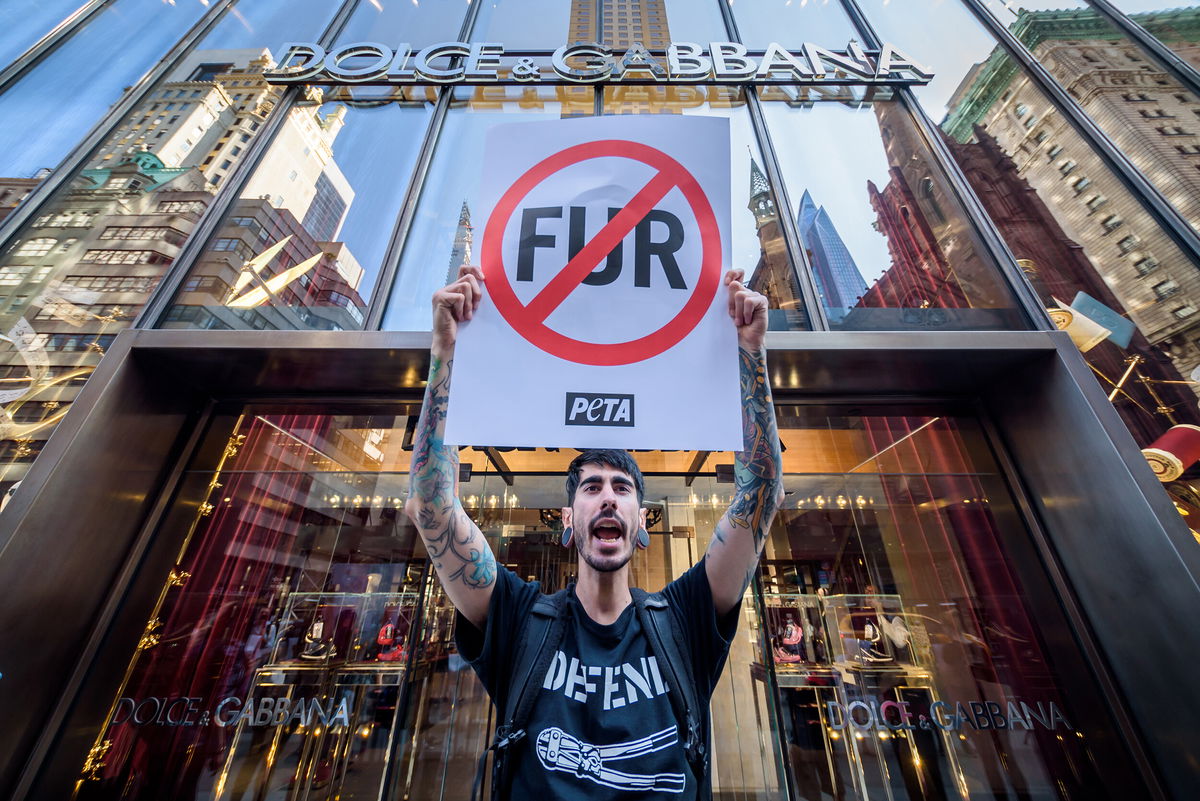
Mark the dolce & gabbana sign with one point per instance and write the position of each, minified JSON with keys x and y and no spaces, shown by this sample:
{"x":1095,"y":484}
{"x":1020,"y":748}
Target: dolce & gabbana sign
{"x":475,"y":63}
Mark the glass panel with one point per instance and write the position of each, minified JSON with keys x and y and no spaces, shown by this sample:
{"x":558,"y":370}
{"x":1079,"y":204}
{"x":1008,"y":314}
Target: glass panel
{"x":758,"y":246}
{"x":303,"y":246}
{"x":1078,"y":233}
{"x":788,"y":22}
{"x":442,"y":231}
{"x":1149,"y":114}
{"x":1174,"y":22}
{"x":301,"y":648}
{"x":546,"y":24}
{"x":82,"y":269}
{"x":898,"y":620}
{"x":24,"y":22}
{"x":889,"y":246}
{"x":64,"y":96}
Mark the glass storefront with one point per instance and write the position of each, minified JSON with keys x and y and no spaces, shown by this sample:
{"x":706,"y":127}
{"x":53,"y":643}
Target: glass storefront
{"x":301,"y":647}
{"x":362,"y":201}
{"x":911,"y":632}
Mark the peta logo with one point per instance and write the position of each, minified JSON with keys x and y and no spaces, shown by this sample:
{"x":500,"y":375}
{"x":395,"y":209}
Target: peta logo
{"x":586,"y":409}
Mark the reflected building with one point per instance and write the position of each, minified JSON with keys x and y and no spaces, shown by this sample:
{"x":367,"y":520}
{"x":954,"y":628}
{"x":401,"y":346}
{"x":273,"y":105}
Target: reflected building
{"x":118,"y":230}
{"x":1146,"y":114}
{"x":773,"y":275}
{"x":921,"y":276}
{"x":460,"y":251}
{"x":620,"y":23}
{"x":82,"y":271}
{"x":833,"y":267}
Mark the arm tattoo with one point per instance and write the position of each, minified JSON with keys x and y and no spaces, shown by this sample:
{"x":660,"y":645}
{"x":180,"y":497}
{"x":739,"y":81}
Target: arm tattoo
{"x":758,"y":469}
{"x":449,"y":535}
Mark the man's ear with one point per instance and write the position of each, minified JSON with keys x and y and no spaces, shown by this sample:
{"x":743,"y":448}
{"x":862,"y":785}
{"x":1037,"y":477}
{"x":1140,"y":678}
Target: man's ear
{"x":567,"y":532}
{"x":642,"y":516}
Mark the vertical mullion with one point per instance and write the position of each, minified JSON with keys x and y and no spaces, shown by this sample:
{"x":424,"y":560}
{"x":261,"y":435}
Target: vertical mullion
{"x":1159,"y":208}
{"x":801,"y":268}
{"x":1168,"y":59}
{"x":77,"y":157}
{"x":980,"y":220}
{"x":50,"y":42}
{"x":384,"y":284}
{"x":231,"y":191}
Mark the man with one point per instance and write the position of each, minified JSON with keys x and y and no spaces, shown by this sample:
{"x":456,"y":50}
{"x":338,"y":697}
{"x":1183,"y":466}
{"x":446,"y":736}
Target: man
{"x":603,"y":724}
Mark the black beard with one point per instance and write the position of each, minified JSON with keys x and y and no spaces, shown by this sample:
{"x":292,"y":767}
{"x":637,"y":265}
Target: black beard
{"x":606,"y":568}
{"x":590,"y":559}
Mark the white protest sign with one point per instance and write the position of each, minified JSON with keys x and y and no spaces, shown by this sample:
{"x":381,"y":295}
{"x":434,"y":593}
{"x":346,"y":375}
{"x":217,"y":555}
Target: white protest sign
{"x":604,"y":319}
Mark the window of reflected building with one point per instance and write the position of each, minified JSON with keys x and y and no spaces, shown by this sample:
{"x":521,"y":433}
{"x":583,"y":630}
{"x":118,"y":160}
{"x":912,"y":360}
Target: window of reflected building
{"x":80,"y":271}
{"x":1050,"y":196}
{"x":889,"y":246}
{"x":441,"y":237}
{"x":886,"y":649}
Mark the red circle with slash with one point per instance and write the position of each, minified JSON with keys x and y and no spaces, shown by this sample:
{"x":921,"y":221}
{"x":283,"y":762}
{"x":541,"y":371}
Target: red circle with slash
{"x":528,"y":319}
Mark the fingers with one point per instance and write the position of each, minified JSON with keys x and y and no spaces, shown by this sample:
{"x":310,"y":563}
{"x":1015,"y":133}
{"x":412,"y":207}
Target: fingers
{"x":744,"y":304}
{"x":470,"y":269}
{"x":462,"y":297}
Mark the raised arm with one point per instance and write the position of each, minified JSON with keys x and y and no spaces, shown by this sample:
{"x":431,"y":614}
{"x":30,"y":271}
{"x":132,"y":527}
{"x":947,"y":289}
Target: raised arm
{"x":738,"y":539}
{"x":460,"y":554}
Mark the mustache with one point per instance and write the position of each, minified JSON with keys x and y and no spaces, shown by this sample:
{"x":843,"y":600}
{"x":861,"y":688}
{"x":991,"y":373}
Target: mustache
{"x":608,"y":516}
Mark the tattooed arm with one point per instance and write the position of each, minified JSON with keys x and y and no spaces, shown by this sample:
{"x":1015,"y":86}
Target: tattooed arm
{"x":738,"y":539}
{"x":460,"y":554}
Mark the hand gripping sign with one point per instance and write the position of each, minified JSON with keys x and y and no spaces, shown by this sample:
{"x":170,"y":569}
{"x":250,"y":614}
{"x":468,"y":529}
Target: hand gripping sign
{"x":603,"y":322}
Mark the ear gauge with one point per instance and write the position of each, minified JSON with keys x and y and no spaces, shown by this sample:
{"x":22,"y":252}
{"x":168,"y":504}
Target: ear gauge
{"x":643,"y":539}
{"x":566,"y":536}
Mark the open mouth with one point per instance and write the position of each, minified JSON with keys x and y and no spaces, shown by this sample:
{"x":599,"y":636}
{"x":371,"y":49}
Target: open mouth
{"x":607,"y":531}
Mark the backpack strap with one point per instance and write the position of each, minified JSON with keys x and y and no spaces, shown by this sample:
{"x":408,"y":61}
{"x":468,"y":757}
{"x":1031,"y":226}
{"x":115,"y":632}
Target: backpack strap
{"x":658,"y":622}
{"x":539,"y":639}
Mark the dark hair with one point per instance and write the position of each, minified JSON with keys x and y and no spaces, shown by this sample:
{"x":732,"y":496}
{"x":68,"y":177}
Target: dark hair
{"x":620,"y":460}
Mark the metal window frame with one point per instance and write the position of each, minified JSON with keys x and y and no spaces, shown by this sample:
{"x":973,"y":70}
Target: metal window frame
{"x":385,"y":282}
{"x":159,"y":302}
{"x":1155,"y":203}
{"x":55,"y":38}
{"x":815,"y":313}
{"x":77,"y":157}
{"x":1151,"y":45}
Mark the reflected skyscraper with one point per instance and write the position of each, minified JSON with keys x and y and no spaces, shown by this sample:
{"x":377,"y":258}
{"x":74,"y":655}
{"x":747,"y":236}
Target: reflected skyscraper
{"x":837,"y":275}
{"x":620,"y":23}
{"x":460,"y":251}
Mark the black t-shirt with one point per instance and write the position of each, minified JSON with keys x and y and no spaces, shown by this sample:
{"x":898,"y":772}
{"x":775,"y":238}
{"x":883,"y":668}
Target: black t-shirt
{"x":603,"y":726}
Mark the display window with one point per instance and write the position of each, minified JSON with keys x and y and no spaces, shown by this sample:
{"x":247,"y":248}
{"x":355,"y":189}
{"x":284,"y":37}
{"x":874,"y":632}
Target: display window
{"x":299,"y":646}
